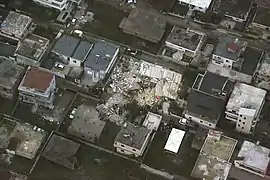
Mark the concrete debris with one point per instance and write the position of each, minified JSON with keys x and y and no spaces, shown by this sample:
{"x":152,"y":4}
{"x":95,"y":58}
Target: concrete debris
{"x":146,"y":97}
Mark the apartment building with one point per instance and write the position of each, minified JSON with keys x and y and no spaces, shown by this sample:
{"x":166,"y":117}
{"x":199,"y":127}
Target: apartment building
{"x":38,"y":87}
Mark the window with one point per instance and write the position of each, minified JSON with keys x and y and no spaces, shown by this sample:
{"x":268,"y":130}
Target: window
{"x":122,"y":150}
{"x":242,"y":127}
{"x":240,"y":115}
{"x":74,"y":61}
{"x":122,"y":145}
{"x":210,"y":124}
{"x":239,"y":120}
{"x":201,"y":121}
{"x":133,"y":149}
{"x":245,"y":118}
{"x":238,"y":125}
{"x":244,"y":123}
{"x":227,"y":60}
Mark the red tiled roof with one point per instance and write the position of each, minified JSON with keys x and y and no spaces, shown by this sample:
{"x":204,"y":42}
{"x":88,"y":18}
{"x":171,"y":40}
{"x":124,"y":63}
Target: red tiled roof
{"x":37,"y":78}
{"x":265,"y":3}
{"x":233,"y":46}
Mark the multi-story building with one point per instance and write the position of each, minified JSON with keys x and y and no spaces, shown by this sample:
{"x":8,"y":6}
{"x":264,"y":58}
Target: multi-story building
{"x":254,"y":158}
{"x":31,"y":49}
{"x":207,"y":99}
{"x":244,"y":106}
{"x":187,"y":41}
{"x":228,"y":52}
{"x":198,"y":5}
{"x":235,"y":10}
{"x":38,"y":87}
{"x":132,"y":139}
{"x":16,"y":25}
{"x":56,"y":4}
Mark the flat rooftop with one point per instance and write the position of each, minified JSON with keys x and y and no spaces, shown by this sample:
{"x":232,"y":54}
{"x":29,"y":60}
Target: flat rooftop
{"x":6,"y":49}
{"x":61,"y":151}
{"x":33,"y":76}
{"x":198,"y":3}
{"x":246,"y":96}
{"x":29,"y":140}
{"x":238,"y":9}
{"x":144,"y":25}
{"x":10,"y":73}
{"x":231,"y":74}
{"x":133,"y":136}
{"x":251,"y":57}
{"x":16,"y":23}
{"x":101,"y":55}
{"x":208,"y":167}
{"x":221,"y":148}
{"x":86,"y":123}
{"x":215,"y":84}
{"x":264,"y":69}
{"x":152,"y":121}
{"x":33,"y":47}
{"x":204,"y":106}
{"x":262,"y":16}
{"x":71,"y":46}
{"x":185,"y":38}
{"x":254,"y":156}
{"x":225,"y":50}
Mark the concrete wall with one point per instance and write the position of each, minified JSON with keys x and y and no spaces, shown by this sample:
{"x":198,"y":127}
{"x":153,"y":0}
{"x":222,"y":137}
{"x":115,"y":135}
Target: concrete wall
{"x":200,"y":121}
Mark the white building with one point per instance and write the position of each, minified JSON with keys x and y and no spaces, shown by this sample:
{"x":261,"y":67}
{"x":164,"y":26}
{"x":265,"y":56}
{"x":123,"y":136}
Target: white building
{"x":254,"y":159}
{"x":187,"y":41}
{"x":174,"y":140}
{"x":56,"y":4}
{"x":38,"y":87}
{"x":132,"y":140}
{"x":199,"y":5}
{"x":244,"y":106}
{"x":228,"y":52}
{"x":152,"y":121}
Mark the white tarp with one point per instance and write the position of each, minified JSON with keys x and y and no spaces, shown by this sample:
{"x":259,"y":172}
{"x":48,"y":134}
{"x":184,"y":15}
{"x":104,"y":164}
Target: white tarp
{"x":174,"y":141}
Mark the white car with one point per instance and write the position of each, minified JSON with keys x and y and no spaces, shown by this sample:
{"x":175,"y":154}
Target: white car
{"x":73,"y":111}
{"x":59,"y":66}
{"x":71,"y":116}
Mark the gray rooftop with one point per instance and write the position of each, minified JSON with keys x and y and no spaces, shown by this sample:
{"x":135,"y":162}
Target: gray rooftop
{"x":7,"y":50}
{"x":33,"y":47}
{"x":210,"y":168}
{"x":82,"y":50}
{"x":73,"y":47}
{"x":144,"y":25}
{"x":101,"y":55}
{"x":262,"y":16}
{"x":133,"y":136}
{"x":66,"y":45}
{"x":16,"y":23}
{"x":9,"y":73}
{"x":61,"y":151}
{"x":185,"y":38}
{"x":215,"y":84}
{"x":222,"y":47}
{"x":86,"y":123}
{"x":204,"y":106}
{"x":238,"y":9}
